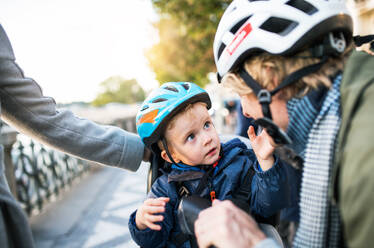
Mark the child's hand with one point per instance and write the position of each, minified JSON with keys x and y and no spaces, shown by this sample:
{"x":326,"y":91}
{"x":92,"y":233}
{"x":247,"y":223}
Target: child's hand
{"x":263,"y":146}
{"x":147,"y":214}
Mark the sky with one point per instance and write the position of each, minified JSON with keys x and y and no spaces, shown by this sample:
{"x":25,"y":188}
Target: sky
{"x":70,"y":46}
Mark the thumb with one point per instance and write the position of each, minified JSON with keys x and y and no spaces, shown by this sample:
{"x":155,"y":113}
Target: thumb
{"x":215,"y":202}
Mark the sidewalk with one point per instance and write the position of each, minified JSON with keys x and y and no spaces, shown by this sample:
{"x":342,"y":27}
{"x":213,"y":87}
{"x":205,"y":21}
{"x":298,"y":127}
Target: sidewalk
{"x":94,"y":213}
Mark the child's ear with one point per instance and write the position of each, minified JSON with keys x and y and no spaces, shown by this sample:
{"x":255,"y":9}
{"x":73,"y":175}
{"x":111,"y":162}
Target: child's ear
{"x":165,"y":156}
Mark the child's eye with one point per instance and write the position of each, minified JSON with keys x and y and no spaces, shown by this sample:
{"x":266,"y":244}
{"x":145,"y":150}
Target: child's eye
{"x":207,"y":125}
{"x":190,"y":137}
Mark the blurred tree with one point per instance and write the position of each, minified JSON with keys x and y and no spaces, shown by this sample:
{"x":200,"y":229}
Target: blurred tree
{"x":118,"y":89}
{"x":186,"y":32}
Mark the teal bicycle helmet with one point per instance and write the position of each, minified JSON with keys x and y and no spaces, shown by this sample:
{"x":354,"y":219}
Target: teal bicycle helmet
{"x":164,"y":103}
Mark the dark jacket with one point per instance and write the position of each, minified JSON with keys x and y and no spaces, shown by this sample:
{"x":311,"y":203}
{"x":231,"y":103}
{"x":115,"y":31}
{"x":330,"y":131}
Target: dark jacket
{"x":269,"y":191}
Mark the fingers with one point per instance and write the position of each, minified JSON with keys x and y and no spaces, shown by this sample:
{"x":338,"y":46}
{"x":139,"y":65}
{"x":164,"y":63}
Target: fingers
{"x":202,"y":226}
{"x":217,"y":219}
{"x":149,"y":221}
{"x":161,"y":201}
{"x":153,"y":209}
{"x":164,"y":199}
{"x":269,"y":138}
{"x":225,"y":225}
{"x":155,"y":205}
{"x":147,"y":155}
{"x":215,"y":202}
{"x":156,"y":200}
{"x":149,"y":213}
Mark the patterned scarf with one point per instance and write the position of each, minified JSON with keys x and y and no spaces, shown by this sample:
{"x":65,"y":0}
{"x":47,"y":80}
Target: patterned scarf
{"x":318,"y":125}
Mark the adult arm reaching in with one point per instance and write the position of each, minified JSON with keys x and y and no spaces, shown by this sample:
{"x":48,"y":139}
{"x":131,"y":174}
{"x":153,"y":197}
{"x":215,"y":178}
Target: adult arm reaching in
{"x":26,"y":109}
{"x":229,"y":223}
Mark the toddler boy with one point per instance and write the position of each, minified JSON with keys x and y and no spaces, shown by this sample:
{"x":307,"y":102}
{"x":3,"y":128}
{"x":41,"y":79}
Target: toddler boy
{"x":174,"y":122}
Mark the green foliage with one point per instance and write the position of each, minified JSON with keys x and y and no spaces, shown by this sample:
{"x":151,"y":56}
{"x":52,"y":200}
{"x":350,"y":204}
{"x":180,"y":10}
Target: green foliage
{"x":186,"y":31}
{"x":117,"y":89}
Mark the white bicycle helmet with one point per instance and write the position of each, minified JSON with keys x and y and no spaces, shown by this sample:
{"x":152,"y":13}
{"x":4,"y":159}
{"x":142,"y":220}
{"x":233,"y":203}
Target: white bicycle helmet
{"x":277,"y":27}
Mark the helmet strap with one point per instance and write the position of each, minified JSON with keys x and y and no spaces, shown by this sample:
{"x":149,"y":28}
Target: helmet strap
{"x":263,"y":95}
{"x":163,"y":140}
{"x":296,"y":75}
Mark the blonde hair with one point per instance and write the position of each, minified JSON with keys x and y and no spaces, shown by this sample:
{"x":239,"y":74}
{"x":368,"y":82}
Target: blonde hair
{"x":269,"y":70}
{"x":170,"y":125}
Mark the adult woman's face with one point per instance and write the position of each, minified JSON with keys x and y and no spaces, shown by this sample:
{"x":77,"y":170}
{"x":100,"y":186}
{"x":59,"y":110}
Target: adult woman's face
{"x":252,"y":108}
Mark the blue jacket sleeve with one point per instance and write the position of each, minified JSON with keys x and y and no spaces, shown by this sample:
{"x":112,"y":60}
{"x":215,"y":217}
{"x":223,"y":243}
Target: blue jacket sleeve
{"x":270,"y":189}
{"x":151,"y":238}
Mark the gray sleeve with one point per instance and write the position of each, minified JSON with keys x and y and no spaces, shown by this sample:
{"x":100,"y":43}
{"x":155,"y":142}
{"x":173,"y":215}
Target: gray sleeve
{"x":26,"y":109}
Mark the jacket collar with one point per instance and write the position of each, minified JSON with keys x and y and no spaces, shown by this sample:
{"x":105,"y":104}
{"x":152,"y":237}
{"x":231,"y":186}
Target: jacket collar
{"x":229,"y":150}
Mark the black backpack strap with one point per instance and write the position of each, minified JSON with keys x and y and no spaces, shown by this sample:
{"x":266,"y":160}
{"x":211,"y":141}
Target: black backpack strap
{"x":243,"y":194}
{"x":182,"y":190}
{"x":242,"y":198}
{"x":179,"y":239}
{"x":245,"y":190}
{"x":204,"y":181}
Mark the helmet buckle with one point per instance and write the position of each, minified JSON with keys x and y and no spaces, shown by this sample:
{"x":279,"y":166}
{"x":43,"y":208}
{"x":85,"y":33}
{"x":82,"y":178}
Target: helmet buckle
{"x":338,"y":42}
{"x":264,"y":96}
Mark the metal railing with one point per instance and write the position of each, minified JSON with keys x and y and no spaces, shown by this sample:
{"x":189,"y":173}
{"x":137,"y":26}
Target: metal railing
{"x":36,"y":174}
{"x":41,"y":173}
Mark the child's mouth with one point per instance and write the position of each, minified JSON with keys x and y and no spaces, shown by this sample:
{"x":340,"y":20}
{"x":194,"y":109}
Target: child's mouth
{"x":212,"y":152}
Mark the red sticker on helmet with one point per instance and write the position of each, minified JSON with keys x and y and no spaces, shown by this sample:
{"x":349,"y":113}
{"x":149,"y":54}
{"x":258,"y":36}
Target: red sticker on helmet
{"x":238,"y":38}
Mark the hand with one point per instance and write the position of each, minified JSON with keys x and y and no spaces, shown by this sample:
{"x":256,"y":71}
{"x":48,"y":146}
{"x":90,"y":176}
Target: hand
{"x":365,"y":48}
{"x":225,"y":225}
{"x":148,"y":213}
{"x":147,"y":154}
{"x":263,"y":146}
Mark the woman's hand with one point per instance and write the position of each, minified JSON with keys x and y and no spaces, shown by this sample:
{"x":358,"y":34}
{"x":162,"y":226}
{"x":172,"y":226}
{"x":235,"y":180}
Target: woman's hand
{"x":148,"y":213}
{"x":147,"y":154}
{"x":263,"y":146}
{"x":225,"y":225}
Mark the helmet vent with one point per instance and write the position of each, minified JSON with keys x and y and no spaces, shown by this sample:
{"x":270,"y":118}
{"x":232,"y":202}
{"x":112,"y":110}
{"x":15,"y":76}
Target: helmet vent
{"x":278,"y":25}
{"x":144,"y":107}
{"x":221,"y":48}
{"x":171,"y":88}
{"x":186,"y":86}
{"x":233,"y":9}
{"x":303,"y":6}
{"x":159,"y":100}
{"x":239,"y":24}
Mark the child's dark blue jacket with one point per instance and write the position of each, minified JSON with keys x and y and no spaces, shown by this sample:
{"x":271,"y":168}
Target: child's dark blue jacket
{"x":270,"y":191}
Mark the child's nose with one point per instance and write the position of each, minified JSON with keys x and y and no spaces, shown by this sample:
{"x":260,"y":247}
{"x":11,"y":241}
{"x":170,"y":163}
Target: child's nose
{"x":207,"y":138}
